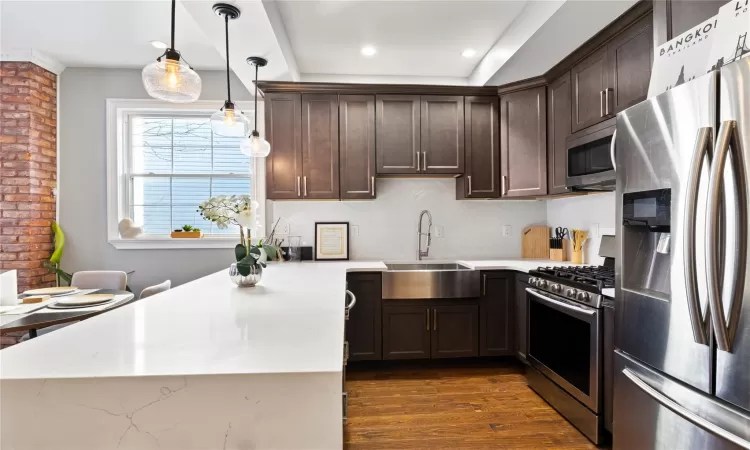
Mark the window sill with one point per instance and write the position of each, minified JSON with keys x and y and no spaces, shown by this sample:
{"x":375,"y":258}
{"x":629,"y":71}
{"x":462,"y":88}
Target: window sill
{"x":167,"y":243}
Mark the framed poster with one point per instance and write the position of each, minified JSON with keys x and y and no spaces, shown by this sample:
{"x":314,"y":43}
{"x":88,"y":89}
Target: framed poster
{"x":684,"y":57}
{"x":331,"y":241}
{"x":732,"y":41}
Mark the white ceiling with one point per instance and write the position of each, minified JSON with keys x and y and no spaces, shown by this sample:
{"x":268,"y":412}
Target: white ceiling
{"x":418,"y":41}
{"x":103,"y":33}
{"x":422,"y":38}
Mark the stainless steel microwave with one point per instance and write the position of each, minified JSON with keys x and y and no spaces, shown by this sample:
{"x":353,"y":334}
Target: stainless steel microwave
{"x":590,"y":158}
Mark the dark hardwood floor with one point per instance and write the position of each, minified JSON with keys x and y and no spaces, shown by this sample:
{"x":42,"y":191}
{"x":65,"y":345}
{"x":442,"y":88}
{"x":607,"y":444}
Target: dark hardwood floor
{"x":466,"y":405}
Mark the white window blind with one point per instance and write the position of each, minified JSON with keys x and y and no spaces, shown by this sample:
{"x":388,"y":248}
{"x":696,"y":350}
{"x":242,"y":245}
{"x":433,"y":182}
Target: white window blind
{"x":174,"y":163}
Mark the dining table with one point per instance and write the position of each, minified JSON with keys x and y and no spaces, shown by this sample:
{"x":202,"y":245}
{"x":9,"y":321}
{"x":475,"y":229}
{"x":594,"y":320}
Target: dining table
{"x":45,"y":316}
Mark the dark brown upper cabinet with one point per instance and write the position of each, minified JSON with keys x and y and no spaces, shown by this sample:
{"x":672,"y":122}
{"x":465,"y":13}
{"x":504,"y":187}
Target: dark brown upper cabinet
{"x":442,"y":126}
{"x":589,"y":78}
{"x":363,"y":329}
{"x":398,"y":133}
{"x":674,"y":17}
{"x":558,"y":129}
{"x":496,"y":314}
{"x":406,"y":332}
{"x":523,"y":143}
{"x":357,"y":146}
{"x":482,"y":153}
{"x":630,"y":56}
{"x":614,"y":77}
{"x":455,"y":331}
{"x":320,"y":146}
{"x":284,"y":133}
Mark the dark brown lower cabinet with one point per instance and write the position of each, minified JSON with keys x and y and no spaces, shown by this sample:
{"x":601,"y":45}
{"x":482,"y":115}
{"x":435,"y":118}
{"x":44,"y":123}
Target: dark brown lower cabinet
{"x":363,"y":329}
{"x":520,"y":310}
{"x":424,"y":330}
{"x":455,"y":331}
{"x":406,"y":332}
{"x":496,"y":309}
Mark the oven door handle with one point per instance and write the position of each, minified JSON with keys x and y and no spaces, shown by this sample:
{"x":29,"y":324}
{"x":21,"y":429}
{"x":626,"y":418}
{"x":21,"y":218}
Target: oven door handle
{"x":560,"y":305}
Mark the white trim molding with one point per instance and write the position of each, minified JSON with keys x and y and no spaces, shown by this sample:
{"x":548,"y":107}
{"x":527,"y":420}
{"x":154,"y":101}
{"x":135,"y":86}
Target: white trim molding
{"x":117,"y":111}
{"x":33,"y":56}
{"x":166,"y":243}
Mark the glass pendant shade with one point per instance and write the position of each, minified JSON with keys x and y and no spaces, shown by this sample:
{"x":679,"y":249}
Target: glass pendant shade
{"x":230,"y":122}
{"x":172,"y":81}
{"x":255,"y":146}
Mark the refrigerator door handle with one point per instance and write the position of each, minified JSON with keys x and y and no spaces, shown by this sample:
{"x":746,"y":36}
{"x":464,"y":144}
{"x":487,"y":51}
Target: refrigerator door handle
{"x":698,"y":319}
{"x":683,"y":412}
{"x":726,"y":329}
{"x":612,"y":150}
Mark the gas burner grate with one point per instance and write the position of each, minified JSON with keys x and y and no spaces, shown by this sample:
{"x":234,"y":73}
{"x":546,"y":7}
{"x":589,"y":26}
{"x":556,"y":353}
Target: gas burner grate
{"x":599,"y":277}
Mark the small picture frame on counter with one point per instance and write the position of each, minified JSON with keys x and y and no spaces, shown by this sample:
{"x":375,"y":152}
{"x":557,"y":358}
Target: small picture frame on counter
{"x":331,"y":241}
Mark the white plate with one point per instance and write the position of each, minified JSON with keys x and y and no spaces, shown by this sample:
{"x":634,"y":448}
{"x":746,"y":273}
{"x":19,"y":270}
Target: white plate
{"x":85,"y":300}
{"x":60,"y":290}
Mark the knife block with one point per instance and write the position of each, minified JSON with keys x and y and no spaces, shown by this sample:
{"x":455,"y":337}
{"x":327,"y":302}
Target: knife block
{"x":559,"y":254}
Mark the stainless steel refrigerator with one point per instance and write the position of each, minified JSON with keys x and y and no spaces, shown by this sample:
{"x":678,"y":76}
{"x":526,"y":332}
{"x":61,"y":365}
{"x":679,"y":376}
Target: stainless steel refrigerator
{"x":682,"y":364}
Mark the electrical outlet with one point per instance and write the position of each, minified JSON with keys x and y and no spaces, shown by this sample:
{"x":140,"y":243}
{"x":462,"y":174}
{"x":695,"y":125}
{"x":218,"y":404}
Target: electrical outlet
{"x":285,"y":228}
{"x":439,"y":231}
{"x":355,"y":230}
{"x":595,"y":230}
{"x":506,"y":230}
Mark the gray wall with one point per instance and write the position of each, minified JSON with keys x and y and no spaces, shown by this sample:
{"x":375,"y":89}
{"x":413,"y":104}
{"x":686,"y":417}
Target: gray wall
{"x":82,"y":181}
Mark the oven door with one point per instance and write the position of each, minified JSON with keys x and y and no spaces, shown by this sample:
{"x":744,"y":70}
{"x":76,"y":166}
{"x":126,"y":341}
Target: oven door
{"x":565,"y":343}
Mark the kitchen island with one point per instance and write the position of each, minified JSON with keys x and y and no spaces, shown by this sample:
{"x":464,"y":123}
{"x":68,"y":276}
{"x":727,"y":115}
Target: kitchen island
{"x":204,"y":365}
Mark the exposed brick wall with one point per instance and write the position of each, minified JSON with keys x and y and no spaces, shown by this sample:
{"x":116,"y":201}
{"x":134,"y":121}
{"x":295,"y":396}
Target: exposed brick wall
{"x":28,"y":170}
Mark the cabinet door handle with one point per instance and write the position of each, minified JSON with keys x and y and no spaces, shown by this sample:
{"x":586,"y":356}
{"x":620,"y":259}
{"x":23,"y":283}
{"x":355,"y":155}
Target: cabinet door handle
{"x":505,"y":185}
{"x":372,"y":180}
{"x":424,"y":161}
{"x":601,"y":103}
{"x":428,"y":319}
{"x":484,"y":284}
{"x":434,"y":319}
{"x":304,"y":184}
{"x":469,"y":178}
{"x":419,"y":164}
{"x":299,"y":194}
{"x":606,"y":101}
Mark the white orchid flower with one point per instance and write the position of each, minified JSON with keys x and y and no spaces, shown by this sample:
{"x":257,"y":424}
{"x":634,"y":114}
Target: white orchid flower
{"x":244,"y":218}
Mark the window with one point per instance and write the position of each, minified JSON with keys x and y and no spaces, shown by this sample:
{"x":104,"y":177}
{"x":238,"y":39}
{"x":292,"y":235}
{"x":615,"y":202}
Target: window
{"x":164,"y":163}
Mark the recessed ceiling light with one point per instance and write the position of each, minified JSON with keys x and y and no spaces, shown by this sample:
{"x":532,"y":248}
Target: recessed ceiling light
{"x":469,"y":53}
{"x":369,"y":50}
{"x":159,"y":44}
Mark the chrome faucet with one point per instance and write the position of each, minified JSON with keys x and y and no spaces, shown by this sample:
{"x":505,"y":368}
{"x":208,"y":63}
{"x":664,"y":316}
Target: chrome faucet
{"x":420,"y":253}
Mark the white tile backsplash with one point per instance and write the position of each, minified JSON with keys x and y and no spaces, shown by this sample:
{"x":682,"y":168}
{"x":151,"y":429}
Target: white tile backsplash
{"x":594,"y":213}
{"x":387,"y":226}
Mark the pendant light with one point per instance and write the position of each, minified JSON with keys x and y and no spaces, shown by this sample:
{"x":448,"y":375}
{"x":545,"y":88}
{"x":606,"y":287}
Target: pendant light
{"x":169,"y":78}
{"x":254,"y":145}
{"x":229,"y":120}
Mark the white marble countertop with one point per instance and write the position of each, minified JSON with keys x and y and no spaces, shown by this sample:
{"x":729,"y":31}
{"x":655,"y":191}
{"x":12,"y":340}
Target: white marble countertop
{"x":292,"y":322}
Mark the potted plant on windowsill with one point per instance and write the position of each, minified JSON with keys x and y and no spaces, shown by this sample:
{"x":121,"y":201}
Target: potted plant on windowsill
{"x":239,"y":210}
{"x":187,"y":232}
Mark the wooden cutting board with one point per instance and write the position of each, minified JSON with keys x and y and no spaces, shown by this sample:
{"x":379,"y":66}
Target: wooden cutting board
{"x":535,"y":242}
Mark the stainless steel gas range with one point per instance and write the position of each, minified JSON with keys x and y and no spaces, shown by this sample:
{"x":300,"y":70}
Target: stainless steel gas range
{"x":565,"y":335}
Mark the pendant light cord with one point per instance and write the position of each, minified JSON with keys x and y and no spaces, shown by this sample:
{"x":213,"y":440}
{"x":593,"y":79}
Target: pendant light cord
{"x":226,"y":35}
{"x":174,"y":2}
{"x":256,"y":97}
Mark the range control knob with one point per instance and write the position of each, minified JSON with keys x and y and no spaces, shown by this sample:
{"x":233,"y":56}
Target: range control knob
{"x":532,"y":281}
{"x":583,"y":296}
{"x":556,"y":288}
{"x":543,"y":284}
{"x":571,"y":293}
